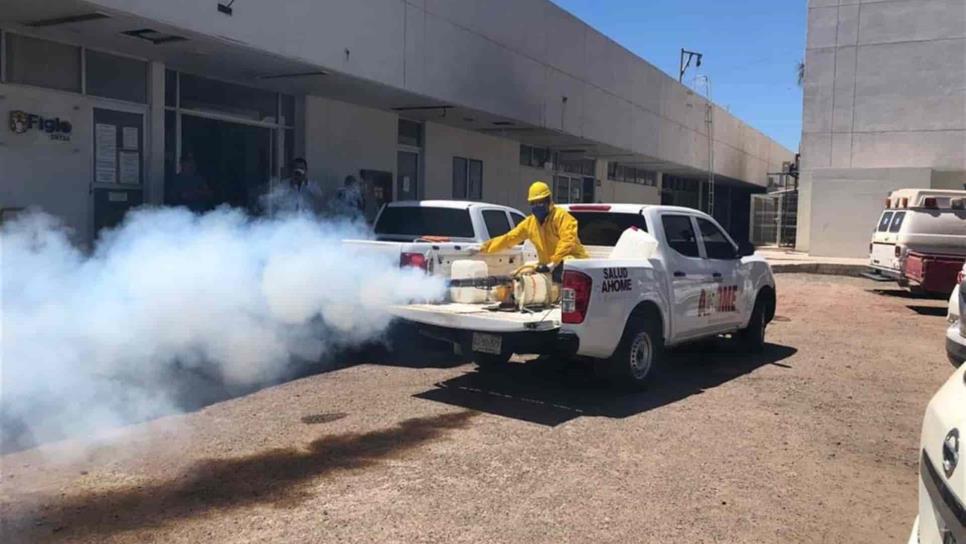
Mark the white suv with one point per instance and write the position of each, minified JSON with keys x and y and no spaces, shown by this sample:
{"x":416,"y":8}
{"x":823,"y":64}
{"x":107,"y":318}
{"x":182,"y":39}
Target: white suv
{"x":956,"y":333}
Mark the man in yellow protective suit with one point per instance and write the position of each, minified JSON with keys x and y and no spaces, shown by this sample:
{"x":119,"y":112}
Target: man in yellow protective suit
{"x":552,"y":230}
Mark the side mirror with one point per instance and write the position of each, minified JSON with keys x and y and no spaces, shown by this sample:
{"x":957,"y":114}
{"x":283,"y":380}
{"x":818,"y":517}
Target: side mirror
{"x":745,"y":248}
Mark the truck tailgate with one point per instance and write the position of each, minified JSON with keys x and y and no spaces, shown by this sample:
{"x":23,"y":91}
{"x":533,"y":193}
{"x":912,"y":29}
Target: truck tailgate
{"x":475,"y":317}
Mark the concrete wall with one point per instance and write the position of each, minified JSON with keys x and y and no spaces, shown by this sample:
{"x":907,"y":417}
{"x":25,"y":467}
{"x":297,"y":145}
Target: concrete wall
{"x":847,"y":202}
{"x":500,"y":164}
{"x":341,"y":139}
{"x":885,"y":87}
{"x":513,"y":59}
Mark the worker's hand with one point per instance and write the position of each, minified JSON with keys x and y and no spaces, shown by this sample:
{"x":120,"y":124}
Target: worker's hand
{"x":484,"y":247}
{"x":543,"y":269}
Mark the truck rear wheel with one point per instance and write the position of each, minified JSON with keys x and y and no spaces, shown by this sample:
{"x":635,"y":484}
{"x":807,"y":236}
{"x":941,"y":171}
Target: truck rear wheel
{"x":640,"y":354}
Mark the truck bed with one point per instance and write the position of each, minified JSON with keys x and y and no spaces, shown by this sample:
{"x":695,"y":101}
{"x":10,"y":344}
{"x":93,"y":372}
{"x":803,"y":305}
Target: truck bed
{"x":476,"y":317}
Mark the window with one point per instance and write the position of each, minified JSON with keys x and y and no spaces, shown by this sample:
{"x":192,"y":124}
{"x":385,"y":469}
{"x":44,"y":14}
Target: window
{"x":411,"y":222}
{"x":534,"y":157}
{"x":884,"y":221}
{"x":199,"y":93}
{"x":517,"y":218}
{"x":604,"y":229}
{"x":43,"y":63}
{"x":410,"y":133}
{"x":110,"y":76}
{"x":496,"y":222}
{"x":467,"y":179}
{"x":170,"y":88}
{"x":680,"y":234}
{"x":288,"y":110}
{"x":716,"y":244}
{"x":526,"y":153}
{"x":629,"y":174}
{"x":897,"y":221}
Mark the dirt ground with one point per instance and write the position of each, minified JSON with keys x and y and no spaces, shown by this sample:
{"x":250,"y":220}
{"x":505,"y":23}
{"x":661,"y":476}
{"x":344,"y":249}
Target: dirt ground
{"x":813,"y":441}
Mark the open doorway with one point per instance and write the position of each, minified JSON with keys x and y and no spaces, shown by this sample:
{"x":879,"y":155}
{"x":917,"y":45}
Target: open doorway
{"x":234,"y":159}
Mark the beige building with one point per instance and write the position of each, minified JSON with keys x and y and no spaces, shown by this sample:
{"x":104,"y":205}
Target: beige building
{"x":885,"y":108}
{"x":465,"y":99}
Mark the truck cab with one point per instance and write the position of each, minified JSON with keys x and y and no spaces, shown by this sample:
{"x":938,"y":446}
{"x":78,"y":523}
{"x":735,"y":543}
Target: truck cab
{"x":699,"y":283}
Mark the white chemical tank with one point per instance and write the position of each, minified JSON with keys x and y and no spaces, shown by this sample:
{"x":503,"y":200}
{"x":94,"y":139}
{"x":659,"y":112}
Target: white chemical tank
{"x":634,"y":243}
{"x":466,"y":269}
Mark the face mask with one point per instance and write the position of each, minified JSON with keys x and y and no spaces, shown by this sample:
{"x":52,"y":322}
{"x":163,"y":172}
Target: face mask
{"x":540,"y":211}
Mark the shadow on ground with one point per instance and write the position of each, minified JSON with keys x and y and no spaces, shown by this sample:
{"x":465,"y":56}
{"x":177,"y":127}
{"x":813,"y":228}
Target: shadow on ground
{"x":550,"y":391}
{"x":280,"y":477}
{"x":905,"y":293}
{"x":934,"y":311}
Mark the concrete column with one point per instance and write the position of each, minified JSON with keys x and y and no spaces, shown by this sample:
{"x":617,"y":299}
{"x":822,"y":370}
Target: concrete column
{"x":154,"y":178}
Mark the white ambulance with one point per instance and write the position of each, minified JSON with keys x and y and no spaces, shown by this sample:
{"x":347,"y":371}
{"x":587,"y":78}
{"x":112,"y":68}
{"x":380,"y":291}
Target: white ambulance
{"x":920,"y":239}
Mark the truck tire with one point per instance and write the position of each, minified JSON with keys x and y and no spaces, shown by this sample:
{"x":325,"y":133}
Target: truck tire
{"x":954,"y":360}
{"x":752,"y":337}
{"x":639,"y":355}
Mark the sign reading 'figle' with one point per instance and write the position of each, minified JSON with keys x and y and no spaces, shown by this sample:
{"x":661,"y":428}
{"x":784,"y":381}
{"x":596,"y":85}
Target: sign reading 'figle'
{"x":57,"y":128}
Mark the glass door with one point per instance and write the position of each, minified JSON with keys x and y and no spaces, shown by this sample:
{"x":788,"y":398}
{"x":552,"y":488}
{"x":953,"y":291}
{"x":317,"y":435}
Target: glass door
{"x":117,"y":179}
{"x":407,"y":175}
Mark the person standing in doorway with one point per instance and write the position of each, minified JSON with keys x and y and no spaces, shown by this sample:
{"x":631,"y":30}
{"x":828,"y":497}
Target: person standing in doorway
{"x":297,"y":194}
{"x":188,"y":188}
{"x":350,"y":200}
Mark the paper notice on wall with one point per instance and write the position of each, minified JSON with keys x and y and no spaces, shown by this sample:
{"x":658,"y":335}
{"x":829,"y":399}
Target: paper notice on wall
{"x":129,"y":138}
{"x":105,"y":154}
{"x":105,"y":172}
{"x":105,"y":142}
{"x":130,"y":167}
{"x":405,"y":184}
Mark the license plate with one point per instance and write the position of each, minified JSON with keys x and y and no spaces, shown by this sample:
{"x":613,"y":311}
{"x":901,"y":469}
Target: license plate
{"x":487,"y":343}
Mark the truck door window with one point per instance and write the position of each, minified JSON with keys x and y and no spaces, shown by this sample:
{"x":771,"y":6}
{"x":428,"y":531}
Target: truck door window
{"x":517,"y":218}
{"x":680,"y":234}
{"x":496,"y":222}
{"x":716,"y":244}
{"x":897,"y":221}
{"x":884,"y":221}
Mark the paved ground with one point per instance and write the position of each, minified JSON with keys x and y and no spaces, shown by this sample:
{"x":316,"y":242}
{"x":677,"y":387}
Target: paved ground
{"x":813,"y":441}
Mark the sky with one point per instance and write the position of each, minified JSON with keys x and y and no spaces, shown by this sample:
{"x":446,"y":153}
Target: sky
{"x":750,"y":47}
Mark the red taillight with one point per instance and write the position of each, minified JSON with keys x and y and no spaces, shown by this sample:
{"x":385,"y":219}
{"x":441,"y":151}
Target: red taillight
{"x":959,"y":277}
{"x":930,"y":203}
{"x":575,"y":296}
{"x":416,"y":260}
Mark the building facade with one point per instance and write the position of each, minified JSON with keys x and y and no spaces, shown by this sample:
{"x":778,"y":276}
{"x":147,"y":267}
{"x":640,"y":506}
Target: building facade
{"x":466,"y":99}
{"x":884,"y":108}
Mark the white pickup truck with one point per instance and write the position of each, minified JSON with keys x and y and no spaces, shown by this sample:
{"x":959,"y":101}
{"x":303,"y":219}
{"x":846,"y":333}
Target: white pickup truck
{"x":430,"y":234}
{"x":621,"y":313}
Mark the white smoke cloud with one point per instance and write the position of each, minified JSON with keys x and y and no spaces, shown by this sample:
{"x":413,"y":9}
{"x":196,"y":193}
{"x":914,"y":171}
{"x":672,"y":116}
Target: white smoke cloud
{"x":91,"y":341}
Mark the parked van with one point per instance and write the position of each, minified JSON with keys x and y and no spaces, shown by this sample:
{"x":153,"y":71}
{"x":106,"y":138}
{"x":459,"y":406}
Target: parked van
{"x":920,"y":234}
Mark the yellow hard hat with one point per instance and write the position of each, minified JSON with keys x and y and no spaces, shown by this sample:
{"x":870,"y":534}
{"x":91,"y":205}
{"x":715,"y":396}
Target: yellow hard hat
{"x":538,"y":191}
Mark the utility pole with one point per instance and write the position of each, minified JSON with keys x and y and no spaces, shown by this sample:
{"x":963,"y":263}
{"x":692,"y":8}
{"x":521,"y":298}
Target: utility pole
{"x":685,"y":61}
